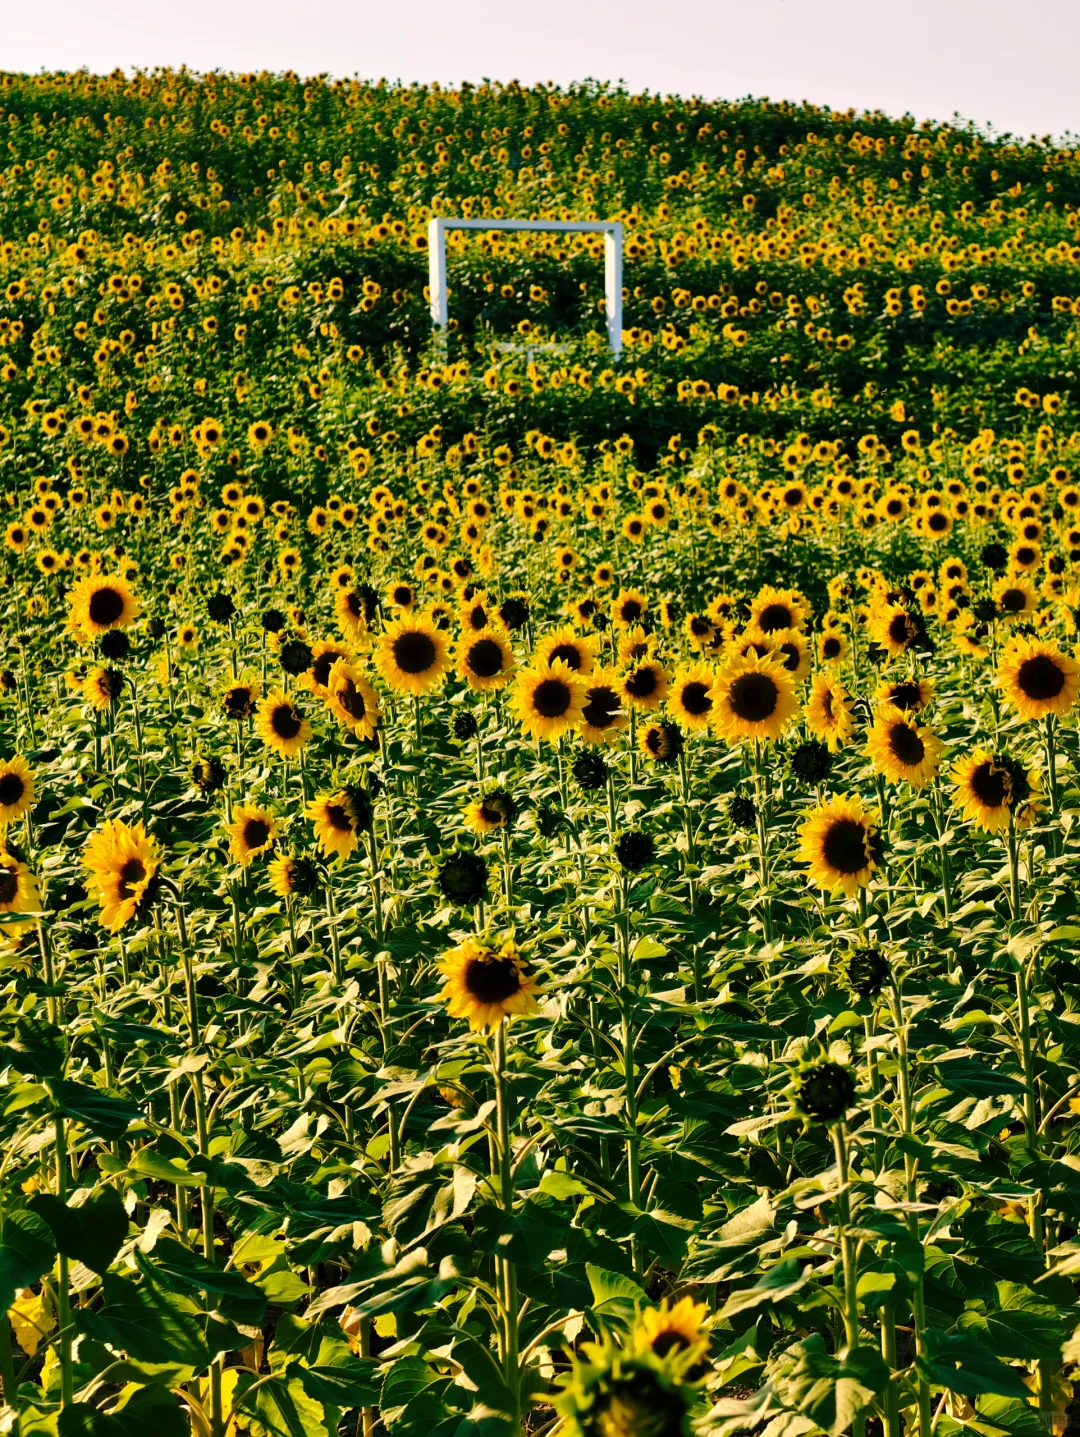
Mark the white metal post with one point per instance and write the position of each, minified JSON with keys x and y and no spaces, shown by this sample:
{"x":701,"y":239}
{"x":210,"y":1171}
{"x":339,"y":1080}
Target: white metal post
{"x":613,"y":286}
{"x":437,"y":272}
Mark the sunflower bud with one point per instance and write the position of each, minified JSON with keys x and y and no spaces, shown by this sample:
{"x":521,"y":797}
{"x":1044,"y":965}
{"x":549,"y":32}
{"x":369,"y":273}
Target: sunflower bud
{"x":208,"y":774}
{"x":635,"y":850}
{"x":823,"y":1091}
{"x":590,"y":770}
{"x":273,"y":621}
{"x":115,"y":644}
{"x":463,"y":879}
{"x":811,"y":762}
{"x":742,"y":811}
{"x":465,"y":726}
{"x":220,"y":607}
{"x":296,"y":657}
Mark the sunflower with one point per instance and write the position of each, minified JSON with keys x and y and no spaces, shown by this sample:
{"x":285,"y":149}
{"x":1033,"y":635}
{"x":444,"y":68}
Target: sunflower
{"x":832,"y":646}
{"x":789,"y":648}
{"x":16,"y":789}
{"x":892,"y":628}
{"x":486,"y":985}
{"x":778,"y":609}
{"x":829,"y":711}
{"x":990,"y":787}
{"x":240,"y":698}
{"x":495,"y":810}
{"x":288,"y":876}
{"x":100,"y":602}
{"x":635,"y":644}
{"x":18,"y":892}
{"x":754,"y":698}
{"x":628,"y":608}
{"x":122,"y":862}
{"x":413,"y":654}
{"x":281,"y":725}
{"x":339,"y":819}
{"x":252,"y":832}
{"x":901,"y":749}
{"x":102,"y":687}
{"x":661,"y":743}
{"x":839,"y":840}
{"x":602,"y":711}
{"x":909,"y":695}
{"x":690,"y":697}
{"x":324,"y":656}
{"x":549,"y":701}
{"x":577,"y":653}
{"x":485,"y":660}
{"x":1015,"y":597}
{"x":672,"y":1326}
{"x":352,"y":700}
{"x":1038,"y":678}
{"x":644,"y":685}
{"x":351,"y":613}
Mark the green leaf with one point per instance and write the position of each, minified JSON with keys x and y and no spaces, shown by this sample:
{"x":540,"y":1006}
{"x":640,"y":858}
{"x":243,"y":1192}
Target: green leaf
{"x":1025,"y":1328}
{"x":612,"y":1293}
{"x":782,"y":1280}
{"x":147,"y":1163}
{"x":105,"y":1116}
{"x":93,"y":1233}
{"x":38,"y":1048}
{"x":562,"y":1185}
{"x":975,"y":1079}
{"x":352,"y":1384}
{"x":282,"y":1408}
{"x":27,"y":1250}
{"x":175,"y":1268}
{"x":830,"y":1390}
{"x":147,"y":1324}
{"x":147,"y":1412}
{"x":960,"y":1363}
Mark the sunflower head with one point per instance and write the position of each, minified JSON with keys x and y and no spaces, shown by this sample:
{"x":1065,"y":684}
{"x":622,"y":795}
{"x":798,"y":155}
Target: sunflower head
{"x":661,"y":743}
{"x":811,"y":762}
{"x":590,"y":771}
{"x":496,"y":809}
{"x":822,"y":1091}
{"x":16,"y":789}
{"x":293,"y":877}
{"x":122,"y":863}
{"x":613,"y":1391}
{"x":672,"y":1327}
{"x":463,"y":879}
{"x":634,"y":849}
{"x":208,"y":774}
{"x":994,"y":789}
{"x":863,"y":971}
{"x":485,"y":984}
{"x":742,"y":811}
{"x":464,"y":725}
{"x":240,"y":698}
{"x":841,"y":843}
{"x":1039,"y":679}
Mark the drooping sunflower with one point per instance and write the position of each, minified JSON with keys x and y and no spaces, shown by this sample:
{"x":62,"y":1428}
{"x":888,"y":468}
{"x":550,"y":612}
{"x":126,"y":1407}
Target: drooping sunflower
{"x":352,"y":700}
{"x":281,"y":725}
{"x":486,"y":985}
{"x":1038,"y":679}
{"x":644,"y":685}
{"x":990,"y":787}
{"x":17,"y":793}
{"x":840,"y":842}
{"x":101,"y":602}
{"x":910,"y":695}
{"x":690,"y":697}
{"x":290,"y":876}
{"x":18,"y":893}
{"x":339,"y":819}
{"x":549,"y":701}
{"x":485,"y":659}
{"x":672,"y":1327}
{"x":496,"y":809}
{"x":602,"y":711}
{"x":778,"y":609}
{"x":754,"y":698}
{"x":901,"y":749}
{"x":240,"y":697}
{"x":252,"y":832}
{"x":413,"y":654}
{"x":122,"y":862}
{"x":564,"y":643}
{"x":829,"y":712}
{"x":661,"y":743}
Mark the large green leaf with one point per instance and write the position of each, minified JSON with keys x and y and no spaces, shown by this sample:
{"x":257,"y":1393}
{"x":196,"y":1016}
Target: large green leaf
{"x":105,"y":1116}
{"x":962,"y":1364}
{"x":175,"y":1268}
{"x":148,"y":1324}
{"x":27,"y":1250}
{"x":93,"y":1233}
{"x":831,"y":1390}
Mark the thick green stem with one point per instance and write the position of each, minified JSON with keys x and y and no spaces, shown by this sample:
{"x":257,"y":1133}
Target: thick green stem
{"x":505,"y":1155}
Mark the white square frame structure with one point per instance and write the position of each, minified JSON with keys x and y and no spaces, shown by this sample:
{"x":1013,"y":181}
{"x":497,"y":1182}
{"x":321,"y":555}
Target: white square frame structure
{"x":612,"y":231}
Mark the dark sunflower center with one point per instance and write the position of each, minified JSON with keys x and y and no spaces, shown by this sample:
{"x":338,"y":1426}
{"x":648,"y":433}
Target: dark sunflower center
{"x":898,"y":629}
{"x":569,"y":653}
{"x":285,"y":721}
{"x":1025,"y":555}
{"x":106,"y":606}
{"x":827,"y":704}
{"x":791,"y":658}
{"x":753,"y":697}
{"x":12,"y":788}
{"x":641,"y":684}
{"x":601,"y":707}
{"x":485,"y":659}
{"x":831,"y":647}
{"x":695,"y":697}
{"x":414,"y":652}
{"x":844,"y":846}
{"x":338,"y":816}
{"x":937,"y":522}
{"x":669,"y":1341}
{"x":256,"y":832}
{"x":630,"y":611}
{"x":9,"y":885}
{"x":1040,"y":678}
{"x":492,"y":980}
{"x":352,"y":700}
{"x":320,"y":669}
{"x":989,"y":785}
{"x":906,"y":745}
{"x":132,"y":873}
{"x":354,"y":604}
{"x":905,"y":696}
{"x":776,"y":616}
{"x":551,"y":698}
{"x":238,"y":702}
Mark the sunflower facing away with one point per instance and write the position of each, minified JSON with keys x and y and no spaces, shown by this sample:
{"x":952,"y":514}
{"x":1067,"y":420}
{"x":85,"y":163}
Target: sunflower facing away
{"x":1038,"y":679}
{"x":901,"y":749}
{"x":281,"y":725}
{"x":16,"y":789}
{"x":122,"y":862}
{"x":252,"y":833}
{"x":352,"y":700}
{"x":413,"y":655}
{"x":839,"y":840}
{"x":829,"y":712}
{"x":549,"y":701}
{"x":100,"y":602}
{"x":754,"y":698}
{"x":990,"y":787}
{"x":486,"y":985}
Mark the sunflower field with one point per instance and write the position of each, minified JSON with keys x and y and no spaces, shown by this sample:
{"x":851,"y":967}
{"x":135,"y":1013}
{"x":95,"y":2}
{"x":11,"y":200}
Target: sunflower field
{"x":538,"y":891}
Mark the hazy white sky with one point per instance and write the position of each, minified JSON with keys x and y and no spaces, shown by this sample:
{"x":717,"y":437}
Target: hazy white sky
{"x":1013,"y":65}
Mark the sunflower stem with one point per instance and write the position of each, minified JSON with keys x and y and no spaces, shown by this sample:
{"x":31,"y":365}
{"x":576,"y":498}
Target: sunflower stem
{"x":508,"y":1271}
{"x":63,"y":1295}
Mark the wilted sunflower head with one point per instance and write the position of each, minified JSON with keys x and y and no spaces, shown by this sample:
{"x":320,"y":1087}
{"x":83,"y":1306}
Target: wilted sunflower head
{"x":864,"y":971}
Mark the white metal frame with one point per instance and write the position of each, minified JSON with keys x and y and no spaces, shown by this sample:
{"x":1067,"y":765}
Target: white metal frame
{"x":612,"y":231}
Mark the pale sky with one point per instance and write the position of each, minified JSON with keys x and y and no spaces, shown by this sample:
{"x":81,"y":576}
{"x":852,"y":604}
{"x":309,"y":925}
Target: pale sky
{"x":1012,"y":65}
